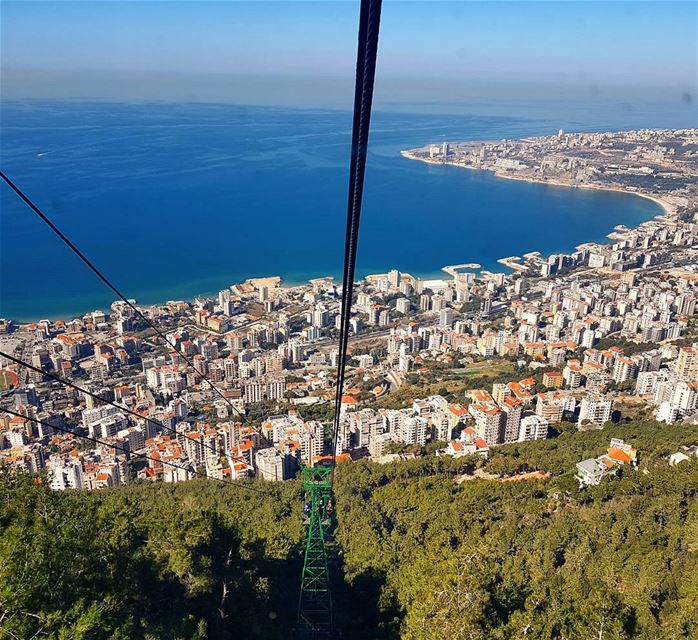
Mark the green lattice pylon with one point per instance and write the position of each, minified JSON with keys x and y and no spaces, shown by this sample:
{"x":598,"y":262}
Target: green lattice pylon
{"x":315,"y":602}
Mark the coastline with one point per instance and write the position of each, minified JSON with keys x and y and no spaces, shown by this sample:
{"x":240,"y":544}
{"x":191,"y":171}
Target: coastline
{"x":294,"y":281}
{"x":669,"y":208}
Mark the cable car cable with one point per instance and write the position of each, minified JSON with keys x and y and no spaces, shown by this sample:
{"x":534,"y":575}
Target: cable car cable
{"x":67,"y":383}
{"x":142,"y":456}
{"x":367,"y":50}
{"x":106,"y":281}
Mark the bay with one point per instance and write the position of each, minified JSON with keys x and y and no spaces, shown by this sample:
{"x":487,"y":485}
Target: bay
{"x":174,"y":200}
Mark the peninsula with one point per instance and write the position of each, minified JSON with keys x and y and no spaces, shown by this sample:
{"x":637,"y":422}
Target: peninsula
{"x":659,"y":164}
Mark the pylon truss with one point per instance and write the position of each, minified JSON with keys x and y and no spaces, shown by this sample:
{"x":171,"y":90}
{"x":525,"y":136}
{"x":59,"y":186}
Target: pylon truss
{"x":315,"y":602}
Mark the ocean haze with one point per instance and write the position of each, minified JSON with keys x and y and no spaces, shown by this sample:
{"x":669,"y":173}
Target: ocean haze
{"x":404,"y":93}
{"x":171,"y":200}
{"x":303,"y":53}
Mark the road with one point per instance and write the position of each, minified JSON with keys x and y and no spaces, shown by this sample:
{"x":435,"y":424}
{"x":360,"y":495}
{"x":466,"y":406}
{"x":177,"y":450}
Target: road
{"x":27,"y":352}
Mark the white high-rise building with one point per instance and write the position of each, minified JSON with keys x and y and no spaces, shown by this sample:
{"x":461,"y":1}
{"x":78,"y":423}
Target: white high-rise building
{"x":344,"y":435}
{"x":108,"y":426}
{"x":446,"y":318}
{"x":687,"y":364}
{"x":403,"y":305}
{"x":413,"y":430}
{"x":512,"y":409}
{"x":647,"y":381}
{"x":394,"y":278}
{"x":273,"y":464}
{"x":97,"y":413}
{"x":596,"y":409}
{"x":685,"y":396}
{"x":65,"y":474}
{"x":489,"y":421}
{"x":223,"y":298}
{"x":378,"y":445}
{"x":588,"y":338}
{"x":533,"y":427}
{"x":321,"y":316}
{"x":667,"y":412}
{"x":624,"y":369}
{"x":264,"y":389}
{"x":312,"y":441}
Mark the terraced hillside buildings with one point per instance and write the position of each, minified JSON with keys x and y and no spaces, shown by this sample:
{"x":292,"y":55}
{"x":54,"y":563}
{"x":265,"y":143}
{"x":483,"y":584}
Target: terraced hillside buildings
{"x":458,"y":365}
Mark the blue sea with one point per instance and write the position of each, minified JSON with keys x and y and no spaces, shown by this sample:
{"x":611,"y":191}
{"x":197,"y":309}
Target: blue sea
{"x":174,"y":200}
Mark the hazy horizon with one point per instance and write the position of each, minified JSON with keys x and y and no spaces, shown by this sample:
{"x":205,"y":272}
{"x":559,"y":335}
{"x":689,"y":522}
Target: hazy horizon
{"x":302,"y":54}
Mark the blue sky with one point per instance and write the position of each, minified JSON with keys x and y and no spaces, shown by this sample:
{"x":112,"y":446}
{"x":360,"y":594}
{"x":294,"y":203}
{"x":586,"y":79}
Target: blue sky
{"x":224,"y":49}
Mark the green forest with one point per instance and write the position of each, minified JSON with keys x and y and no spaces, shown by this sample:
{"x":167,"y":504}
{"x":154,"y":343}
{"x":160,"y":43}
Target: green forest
{"x":415,"y":554}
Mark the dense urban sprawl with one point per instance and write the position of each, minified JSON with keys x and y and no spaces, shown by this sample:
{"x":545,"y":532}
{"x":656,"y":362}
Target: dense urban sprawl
{"x":452,"y":366}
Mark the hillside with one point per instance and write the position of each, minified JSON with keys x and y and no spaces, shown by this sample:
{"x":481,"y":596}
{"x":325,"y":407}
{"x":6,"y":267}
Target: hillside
{"x":416,"y":555}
